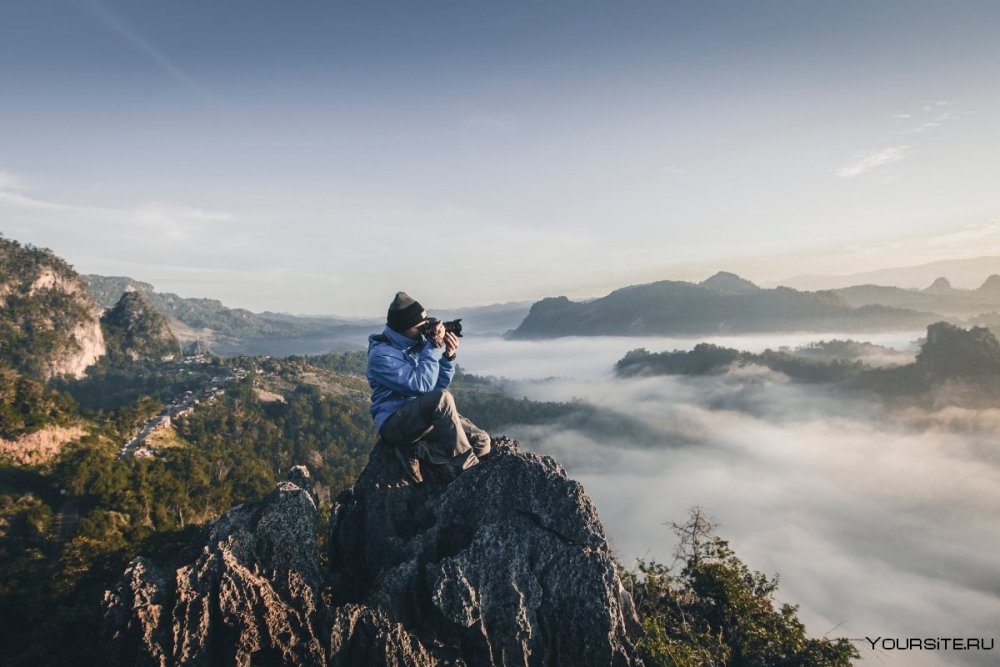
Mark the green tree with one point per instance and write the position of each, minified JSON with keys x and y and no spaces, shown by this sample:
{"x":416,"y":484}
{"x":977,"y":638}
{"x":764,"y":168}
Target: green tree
{"x":719,"y":612}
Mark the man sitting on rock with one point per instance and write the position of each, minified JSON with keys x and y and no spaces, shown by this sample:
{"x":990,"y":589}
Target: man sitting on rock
{"x":410,"y":365}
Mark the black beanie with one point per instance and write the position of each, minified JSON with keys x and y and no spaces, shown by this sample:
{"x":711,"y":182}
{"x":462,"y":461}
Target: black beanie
{"x":404,"y":312}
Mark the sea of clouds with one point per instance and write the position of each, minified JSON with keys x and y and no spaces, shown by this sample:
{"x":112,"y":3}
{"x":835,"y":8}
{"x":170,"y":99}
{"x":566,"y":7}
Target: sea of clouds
{"x":879,"y":523}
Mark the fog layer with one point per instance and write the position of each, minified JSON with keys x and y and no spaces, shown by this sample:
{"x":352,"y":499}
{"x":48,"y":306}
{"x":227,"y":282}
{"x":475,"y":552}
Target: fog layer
{"x":879,"y":524}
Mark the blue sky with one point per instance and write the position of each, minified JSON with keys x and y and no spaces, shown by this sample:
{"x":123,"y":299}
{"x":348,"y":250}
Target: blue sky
{"x":319,"y":156}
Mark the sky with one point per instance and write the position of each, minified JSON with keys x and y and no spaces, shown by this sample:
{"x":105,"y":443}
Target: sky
{"x":316,"y":157}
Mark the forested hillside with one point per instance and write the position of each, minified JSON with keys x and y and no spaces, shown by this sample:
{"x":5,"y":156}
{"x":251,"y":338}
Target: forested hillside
{"x":965,"y":361}
{"x":163,"y":447}
{"x":48,"y":323}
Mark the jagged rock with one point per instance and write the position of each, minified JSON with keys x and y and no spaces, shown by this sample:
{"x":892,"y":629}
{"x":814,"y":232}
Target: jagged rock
{"x":506,"y":565}
{"x":250,"y":596}
{"x":363,"y":636}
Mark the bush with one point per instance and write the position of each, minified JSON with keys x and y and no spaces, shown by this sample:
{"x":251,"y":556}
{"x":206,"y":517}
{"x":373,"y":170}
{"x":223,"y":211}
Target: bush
{"x":717,"y":611}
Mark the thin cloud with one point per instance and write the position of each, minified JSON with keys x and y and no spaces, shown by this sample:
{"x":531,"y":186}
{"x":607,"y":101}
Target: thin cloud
{"x":177,"y":223}
{"x":866,"y":163}
{"x":969,"y":241}
{"x":114,"y":23}
{"x":164,"y":222}
{"x":930,"y":116}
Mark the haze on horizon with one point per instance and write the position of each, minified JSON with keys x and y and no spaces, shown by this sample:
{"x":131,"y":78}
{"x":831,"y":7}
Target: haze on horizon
{"x":317,"y":157}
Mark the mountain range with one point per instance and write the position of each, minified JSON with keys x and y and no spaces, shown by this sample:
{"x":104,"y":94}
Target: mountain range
{"x":939,"y":297}
{"x":208,"y":324}
{"x":724,"y":303}
{"x":965,"y":272}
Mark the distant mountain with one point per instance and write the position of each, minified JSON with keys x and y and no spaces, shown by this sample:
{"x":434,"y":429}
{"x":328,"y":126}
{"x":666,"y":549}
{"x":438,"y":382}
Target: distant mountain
{"x":939,"y":297}
{"x":107,"y":290}
{"x":200,"y":318}
{"x":991,"y":288}
{"x":482,"y":320}
{"x":940,"y":286}
{"x":962,"y":272}
{"x":723,"y":304}
{"x":207,"y":323}
{"x":729,"y":283}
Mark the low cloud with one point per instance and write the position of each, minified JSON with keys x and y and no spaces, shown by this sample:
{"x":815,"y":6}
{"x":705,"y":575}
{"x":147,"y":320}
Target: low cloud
{"x":878,"y":523}
{"x":862,"y":164}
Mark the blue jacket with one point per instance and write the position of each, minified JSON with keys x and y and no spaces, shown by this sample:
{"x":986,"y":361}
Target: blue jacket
{"x":400,"y":369}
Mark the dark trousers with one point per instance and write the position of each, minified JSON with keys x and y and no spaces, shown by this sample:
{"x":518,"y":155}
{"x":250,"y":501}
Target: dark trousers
{"x":440,"y":433}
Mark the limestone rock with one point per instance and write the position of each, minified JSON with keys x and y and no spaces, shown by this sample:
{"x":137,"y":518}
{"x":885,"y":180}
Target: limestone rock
{"x":250,"y":595}
{"x":363,"y":636}
{"x":49,"y":322}
{"x":506,"y":565}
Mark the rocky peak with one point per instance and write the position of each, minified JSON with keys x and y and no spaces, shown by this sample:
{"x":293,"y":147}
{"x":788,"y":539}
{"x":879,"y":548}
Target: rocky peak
{"x":249,"y":594}
{"x":135,"y":330}
{"x":991,"y":285}
{"x":940,"y":286}
{"x":728,"y":283}
{"x":507,"y":564}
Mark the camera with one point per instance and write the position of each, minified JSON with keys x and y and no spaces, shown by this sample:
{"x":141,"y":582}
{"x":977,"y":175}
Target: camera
{"x":454,"y":326}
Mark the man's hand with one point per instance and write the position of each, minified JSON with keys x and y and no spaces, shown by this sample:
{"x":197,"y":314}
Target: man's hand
{"x":436,"y":335}
{"x":450,"y":345}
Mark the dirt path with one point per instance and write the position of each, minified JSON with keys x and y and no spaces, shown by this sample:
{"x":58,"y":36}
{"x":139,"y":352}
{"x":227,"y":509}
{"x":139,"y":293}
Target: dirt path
{"x":66,"y":520}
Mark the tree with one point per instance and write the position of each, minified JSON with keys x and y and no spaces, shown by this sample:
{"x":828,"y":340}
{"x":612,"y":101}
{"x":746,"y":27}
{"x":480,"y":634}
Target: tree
{"x":717,"y":611}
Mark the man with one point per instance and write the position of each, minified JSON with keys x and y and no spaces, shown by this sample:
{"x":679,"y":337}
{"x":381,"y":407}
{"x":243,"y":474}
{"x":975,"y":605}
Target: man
{"x":410,"y":366}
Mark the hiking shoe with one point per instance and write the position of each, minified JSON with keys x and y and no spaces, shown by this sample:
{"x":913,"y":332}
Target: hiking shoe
{"x":407,"y":458}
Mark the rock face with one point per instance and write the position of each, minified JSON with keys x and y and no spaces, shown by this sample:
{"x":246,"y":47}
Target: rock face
{"x":505,"y":565}
{"x":49,"y":325}
{"x":250,"y":595}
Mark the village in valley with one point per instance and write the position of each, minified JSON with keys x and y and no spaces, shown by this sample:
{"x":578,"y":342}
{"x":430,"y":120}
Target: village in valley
{"x":142,"y":445}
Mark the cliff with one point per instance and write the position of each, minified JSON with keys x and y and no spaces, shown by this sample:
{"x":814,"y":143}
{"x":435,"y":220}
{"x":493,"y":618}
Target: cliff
{"x":508,"y":564}
{"x":49,"y":325}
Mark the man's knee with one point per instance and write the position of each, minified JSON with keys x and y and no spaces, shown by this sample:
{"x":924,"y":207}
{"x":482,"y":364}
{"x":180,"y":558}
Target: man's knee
{"x":442,"y":400}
